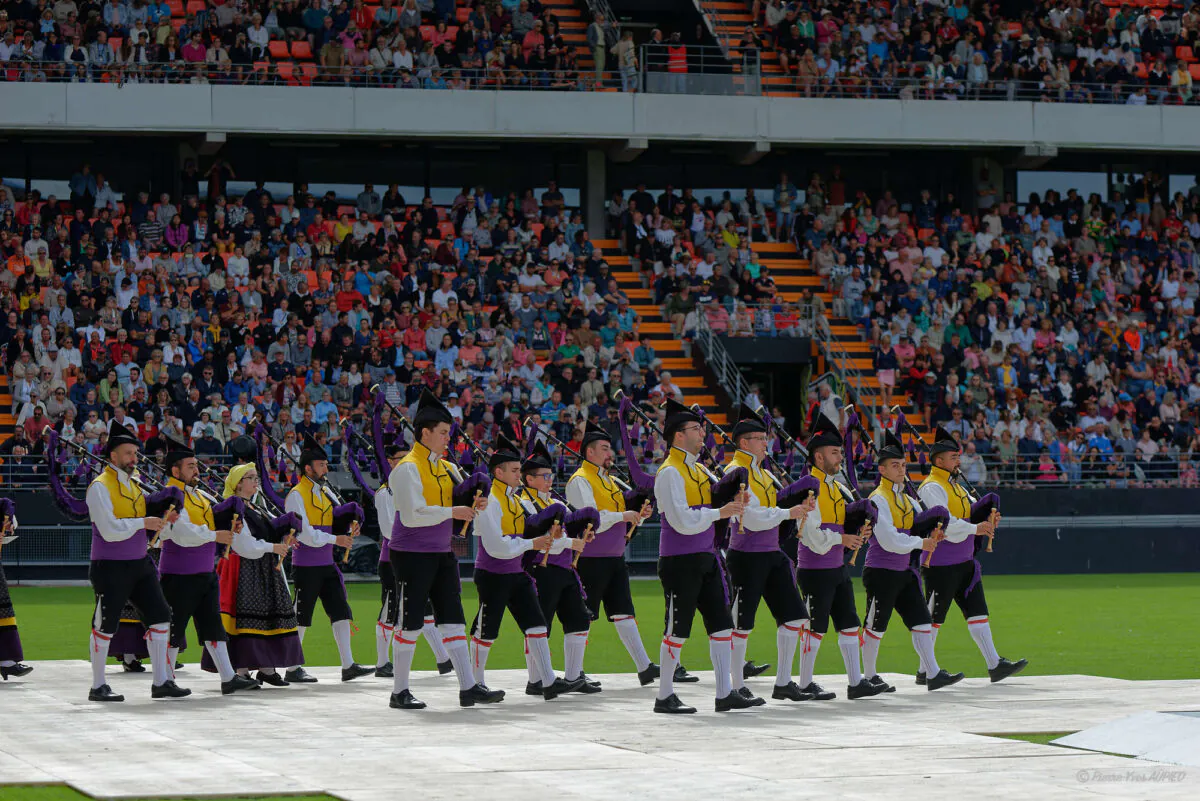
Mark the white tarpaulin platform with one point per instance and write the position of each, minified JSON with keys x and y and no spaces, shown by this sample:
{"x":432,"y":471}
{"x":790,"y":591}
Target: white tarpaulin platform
{"x":343,"y":739}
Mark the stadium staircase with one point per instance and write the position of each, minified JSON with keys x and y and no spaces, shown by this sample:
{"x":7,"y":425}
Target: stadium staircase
{"x":728,"y":20}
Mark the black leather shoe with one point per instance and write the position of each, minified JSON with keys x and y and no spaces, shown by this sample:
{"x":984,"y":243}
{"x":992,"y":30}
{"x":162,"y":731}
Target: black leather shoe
{"x":737,"y":701}
{"x":17,"y":670}
{"x":179,"y":666}
{"x":445,"y":667}
{"x":169,"y":689}
{"x":750,"y":670}
{"x":239,"y":683}
{"x":135,"y":666}
{"x":749,"y":696}
{"x":561,"y":686}
{"x":385,"y":671}
{"x":921,"y":677}
{"x":650,"y":674}
{"x":671,"y":705}
{"x":790,"y":692}
{"x":533,"y":688}
{"x":356,"y":671}
{"x":588,"y":687}
{"x":1005,"y":669}
{"x":479,"y":694}
{"x":405,"y":700}
{"x":944,"y":678}
{"x":683,"y":677}
{"x":864,"y":689}
{"x":300,"y":676}
{"x":818,"y":693}
{"x":879,"y":682}
{"x":274,"y":679}
{"x":104,"y":694}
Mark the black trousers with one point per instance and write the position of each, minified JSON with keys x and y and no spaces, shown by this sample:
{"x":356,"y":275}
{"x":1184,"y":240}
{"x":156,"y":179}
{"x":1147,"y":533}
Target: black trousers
{"x":424,"y":579}
{"x":116,"y":581}
{"x":949,"y":583}
{"x":606,"y":580}
{"x":764,"y":576}
{"x":829,"y":594}
{"x":389,"y":606}
{"x":499,"y":591}
{"x":194,"y":597}
{"x":693,"y":583}
{"x":560,"y":593}
{"x":320,"y":583}
{"x":898,"y":590}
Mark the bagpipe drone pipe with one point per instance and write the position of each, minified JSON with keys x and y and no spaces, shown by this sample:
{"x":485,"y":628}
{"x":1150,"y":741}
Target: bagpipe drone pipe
{"x":791,"y":496}
{"x":726,"y":489}
{"x":160,"y":499}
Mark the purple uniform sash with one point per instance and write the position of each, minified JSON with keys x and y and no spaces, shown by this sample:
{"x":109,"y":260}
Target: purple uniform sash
{"x":880,"y":557}
{"x":421,"y":539}
{"x":124,"y":550}
{"x":672,"y":543}
{"x":808,"y":559}
{"x":308,"y":556}
{"x":178,"y":560}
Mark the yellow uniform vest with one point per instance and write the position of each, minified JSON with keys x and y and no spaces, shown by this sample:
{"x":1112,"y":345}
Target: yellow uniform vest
{"x":830,"y":503}
{"x":318,"y":507}
{"x":760,"y":482}
{"x":958,"y":502}
{"x":695,"y":482}
{"x":198,"y":509}
{"x":902,"y":511}
{"x":437,"y":482}
{"x":125,"y":502}
{"x":607,"y":494}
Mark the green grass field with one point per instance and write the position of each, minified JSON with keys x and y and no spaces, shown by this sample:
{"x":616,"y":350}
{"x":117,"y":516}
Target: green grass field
{"x":19,"y":792}
{"x":1123,"y":626}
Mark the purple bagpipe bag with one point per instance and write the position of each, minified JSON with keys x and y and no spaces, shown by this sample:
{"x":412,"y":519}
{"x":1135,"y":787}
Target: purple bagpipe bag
{"x":345,"y":516}
{"x":576,"y":522}
{"x":858,"y":514}
{"x":224,"y":512}
{"x":797,"y":492}
{"x":981,"y":510}
{"x":540,"y":523}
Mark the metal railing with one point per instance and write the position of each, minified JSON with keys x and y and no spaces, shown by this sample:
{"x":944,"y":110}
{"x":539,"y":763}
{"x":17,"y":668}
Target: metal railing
{"x":716,"y":24}
{"x":704,"y":71}
{"x":719,"y":361}
{"x":710,"y":71}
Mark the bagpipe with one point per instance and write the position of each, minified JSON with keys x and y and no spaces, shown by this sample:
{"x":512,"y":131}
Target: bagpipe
{"x":161,"y":500}
{"x":859,"y":511}
{"x":929,"y":523}
{"x":636,"y":485}
{"x":347,"y":517}
{"x":358,"y":448}
{"x":784,"y":440}
{"x":470,"y":475}
{"x":984,"y":507}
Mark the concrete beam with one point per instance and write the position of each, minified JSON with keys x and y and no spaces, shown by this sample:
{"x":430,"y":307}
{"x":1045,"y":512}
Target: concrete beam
{"x":750,"y":153}
{"x":210,"y":143}
{"x":628,"y":150}
{"x":1035,"y":156}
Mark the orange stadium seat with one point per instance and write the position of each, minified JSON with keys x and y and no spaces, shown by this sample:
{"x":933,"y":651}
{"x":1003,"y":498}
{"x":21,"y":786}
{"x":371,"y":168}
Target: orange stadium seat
{"x":278,"y":49}
{"x":301,"y":51}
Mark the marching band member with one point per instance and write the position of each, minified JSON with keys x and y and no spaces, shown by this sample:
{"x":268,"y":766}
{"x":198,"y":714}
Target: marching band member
{"x":954,"y":574}
{"x":559,"y":589}
{"x":315,"y":574}
{"x":189,"y":552}
{"x":256,"y":607}
{"x":10,"y":637}
{"x":500,"y":573}
{"x":602,"y":564}
{"x":385,"y":626}
{"x":425,"y":566}
{"x":121,"y":569}
{"x":758,"y":567}
{"x":822,"y":573}
{"x":691,"y":575}
{"x":890,"y":572}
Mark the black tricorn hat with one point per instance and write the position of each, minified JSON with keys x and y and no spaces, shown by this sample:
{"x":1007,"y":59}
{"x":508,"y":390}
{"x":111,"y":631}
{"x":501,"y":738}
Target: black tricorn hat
{"x":825,"y":434}
{"x":944,"y":442}
{"x":892,"y":448}
{"x":176,"y":452}
{"x":538,"y":458}
{"x":748,"y":422}
{"x":593,"y":433}
{"x":506,"y":451}
{"x":678,"y":416}
{"x":431,"y":411}
{"x":313,"y":452}
{"x":119,"y":435}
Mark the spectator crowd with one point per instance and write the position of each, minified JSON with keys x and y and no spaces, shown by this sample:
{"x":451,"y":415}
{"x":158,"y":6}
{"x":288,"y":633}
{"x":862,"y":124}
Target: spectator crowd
{"x":1077,"y":51}
{"x":1057,"y":336}
{"x":200,"y":315}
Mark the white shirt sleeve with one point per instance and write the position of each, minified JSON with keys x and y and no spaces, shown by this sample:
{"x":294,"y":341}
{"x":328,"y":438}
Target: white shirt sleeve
{"x":385,"y":513}
{"x":816,"y":539}
{"x":671,"y":496}
{"x":308,"y":535}
{"x":579,"y":495}
{"x":957,"y":530}
{"x":100,"y":509}
{"x":488,"y":525}
{"x":886,"y":533}
{"x":188,"y":534}
{"x":247,"y":546}
{"x":762,"y":518}
{"x":405,"y":485}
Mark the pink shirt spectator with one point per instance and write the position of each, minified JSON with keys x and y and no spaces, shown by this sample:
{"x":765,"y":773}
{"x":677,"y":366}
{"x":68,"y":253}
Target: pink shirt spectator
{"x":193,"y":53}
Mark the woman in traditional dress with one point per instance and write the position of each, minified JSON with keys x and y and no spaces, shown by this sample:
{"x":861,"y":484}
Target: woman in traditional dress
{"x":10,"y":638}
{"x":256,"y":606}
